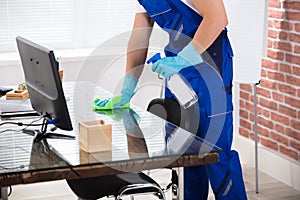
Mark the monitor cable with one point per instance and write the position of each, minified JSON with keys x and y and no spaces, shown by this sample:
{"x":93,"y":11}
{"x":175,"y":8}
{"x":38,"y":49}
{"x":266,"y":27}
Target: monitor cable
{"x":20,"y":124}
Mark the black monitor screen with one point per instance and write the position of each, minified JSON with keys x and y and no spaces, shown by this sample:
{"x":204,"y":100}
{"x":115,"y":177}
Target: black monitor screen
{"x":43,"y":83}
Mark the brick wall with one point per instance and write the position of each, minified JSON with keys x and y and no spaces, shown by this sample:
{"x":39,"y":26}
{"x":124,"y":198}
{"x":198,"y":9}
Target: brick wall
{"x":278,"y":95}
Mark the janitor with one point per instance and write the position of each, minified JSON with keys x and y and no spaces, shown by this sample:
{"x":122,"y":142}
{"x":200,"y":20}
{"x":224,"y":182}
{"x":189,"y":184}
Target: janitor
{"x":199,"y":50}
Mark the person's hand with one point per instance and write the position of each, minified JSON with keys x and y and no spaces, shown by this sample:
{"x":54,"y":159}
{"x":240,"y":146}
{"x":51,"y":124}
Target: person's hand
{"x":121,"y":101}
{"x":168,"y":66}
{"x":130,"y":119}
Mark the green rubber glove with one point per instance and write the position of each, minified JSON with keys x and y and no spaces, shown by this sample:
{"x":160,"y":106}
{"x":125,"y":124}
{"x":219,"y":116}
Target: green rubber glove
{"x":121,"y":101}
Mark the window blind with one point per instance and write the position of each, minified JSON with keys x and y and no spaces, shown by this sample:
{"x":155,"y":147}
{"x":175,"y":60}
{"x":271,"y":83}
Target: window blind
{"x":43,"y":21}
{"x":106,"y":19}
{"x":63,"y":24}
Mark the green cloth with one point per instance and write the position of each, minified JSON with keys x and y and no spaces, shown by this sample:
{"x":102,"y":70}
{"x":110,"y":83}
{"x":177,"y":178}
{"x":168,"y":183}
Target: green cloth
{"x":110,"y":104}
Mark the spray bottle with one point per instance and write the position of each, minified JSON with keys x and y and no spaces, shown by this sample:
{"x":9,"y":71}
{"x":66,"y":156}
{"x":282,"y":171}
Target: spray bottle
{"x":179,"y":88}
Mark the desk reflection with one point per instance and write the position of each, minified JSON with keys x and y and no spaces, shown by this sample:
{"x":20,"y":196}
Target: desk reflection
{"x":44,"y":156}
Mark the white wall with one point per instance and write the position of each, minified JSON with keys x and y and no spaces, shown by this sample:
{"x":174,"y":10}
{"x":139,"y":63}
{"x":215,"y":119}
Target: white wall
{"x":11,"y":72}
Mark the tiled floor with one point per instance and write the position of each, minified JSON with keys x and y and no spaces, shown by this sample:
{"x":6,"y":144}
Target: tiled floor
{"x":270,"y":189}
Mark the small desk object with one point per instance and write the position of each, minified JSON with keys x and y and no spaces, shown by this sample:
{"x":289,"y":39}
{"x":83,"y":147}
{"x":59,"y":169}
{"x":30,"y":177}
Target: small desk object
{"x":140,"y":141}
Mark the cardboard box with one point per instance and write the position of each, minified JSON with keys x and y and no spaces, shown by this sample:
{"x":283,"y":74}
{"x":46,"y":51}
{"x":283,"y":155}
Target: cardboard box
{"x":61,"y":74}
{"x":95,"y":136}
{"x":17,"y":94}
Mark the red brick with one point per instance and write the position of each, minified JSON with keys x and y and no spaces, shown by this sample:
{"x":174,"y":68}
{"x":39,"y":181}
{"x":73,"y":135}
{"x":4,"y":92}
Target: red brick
{"x":293,"y":5}
{"x":293,"y":59}
{"x":266,"y":113}
{"x":263,"y":131}
{"x":270,"y":44}
{"x":279,"y":138}
{"x":263,"y":73}
{"x":294,"y":37}
{"x":249,"y":106}
{"x":270,"y":23}
{"x":269,"y":64}
{"x":280,"y":118}
{"x":277,"y":96}
{"x":297,"y":49}
{"x":244,"y":132}
{"x":251,"y":118}
{"x":275,"y":14}
{"x":289,"y":15}
{"x":252,"y":137}
{"x":275,"y":54}
{"x":296,"y":71}
{"x":246,"y":87}
{"x":268,"y":84}
{"x":297,"y":27}
{"x":283,"y":35}
{"x":292,"y":101}
{"x":295,"y":124}
{"x":242,"y":104}
{"x":244,"y":95}
{"x":287,"y":89}
{"x":268,"y":104}
{"x":276,"y":76}
{"x":283,"y":25}
{"x":273,"y":4}
{"x":270,"y":144}
{"x":287,"y":111}
{"x":283,"y":46}
{"x":244,"y":114}
{"x":272,"y":34}
{"x":293,"y":80}
{"x":285,"y":68}
{"x":295,"y":144}
{"x":293,"y":133}
{"x":265,"y":122}
{"x":279,"y":128}
{"x":291,"y":153}
{"x":263,"y":92}
{"x":245,"y":124}
{"x":259,"y":110}
{"x":252,"y":98}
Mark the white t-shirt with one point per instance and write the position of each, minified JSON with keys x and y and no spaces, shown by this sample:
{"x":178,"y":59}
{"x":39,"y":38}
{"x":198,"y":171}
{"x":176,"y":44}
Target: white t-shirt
{"x":141,"y":9}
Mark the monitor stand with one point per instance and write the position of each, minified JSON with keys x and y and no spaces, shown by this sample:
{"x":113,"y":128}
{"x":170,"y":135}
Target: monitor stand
{"x":43,"y":134}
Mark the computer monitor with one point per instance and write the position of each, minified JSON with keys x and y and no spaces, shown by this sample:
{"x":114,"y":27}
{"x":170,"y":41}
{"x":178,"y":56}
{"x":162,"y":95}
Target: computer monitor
{"x":44,"y":86}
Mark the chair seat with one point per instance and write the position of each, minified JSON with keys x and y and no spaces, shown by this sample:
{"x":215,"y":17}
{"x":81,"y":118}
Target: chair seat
{"x":98,"y":187}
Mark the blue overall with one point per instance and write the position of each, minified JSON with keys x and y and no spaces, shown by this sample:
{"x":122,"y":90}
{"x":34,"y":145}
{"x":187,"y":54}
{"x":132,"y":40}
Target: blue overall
{"x":210,"y":80}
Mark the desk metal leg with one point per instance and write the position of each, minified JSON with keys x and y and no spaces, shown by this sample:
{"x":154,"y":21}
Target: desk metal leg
{"x":4,"y":194}
{"x":180,"y":188}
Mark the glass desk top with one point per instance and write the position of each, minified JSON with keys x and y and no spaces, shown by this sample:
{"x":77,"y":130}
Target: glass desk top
{"x":140,"y":141}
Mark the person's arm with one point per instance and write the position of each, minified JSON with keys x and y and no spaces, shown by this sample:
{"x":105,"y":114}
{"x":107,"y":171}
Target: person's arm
{"x":136,"y":55}
{"x":138,"y":44}
{"x":214,"y":21}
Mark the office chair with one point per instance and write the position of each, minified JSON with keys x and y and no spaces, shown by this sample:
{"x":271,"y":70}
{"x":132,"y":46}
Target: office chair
{"x":137,"y":183}
{"x":115,"y":186}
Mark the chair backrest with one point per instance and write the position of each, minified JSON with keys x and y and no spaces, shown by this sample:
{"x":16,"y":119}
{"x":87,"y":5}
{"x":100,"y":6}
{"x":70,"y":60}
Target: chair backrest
{"x":170,"y":110}
{"x":166,"y":109}
{"x":115,"y":185}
